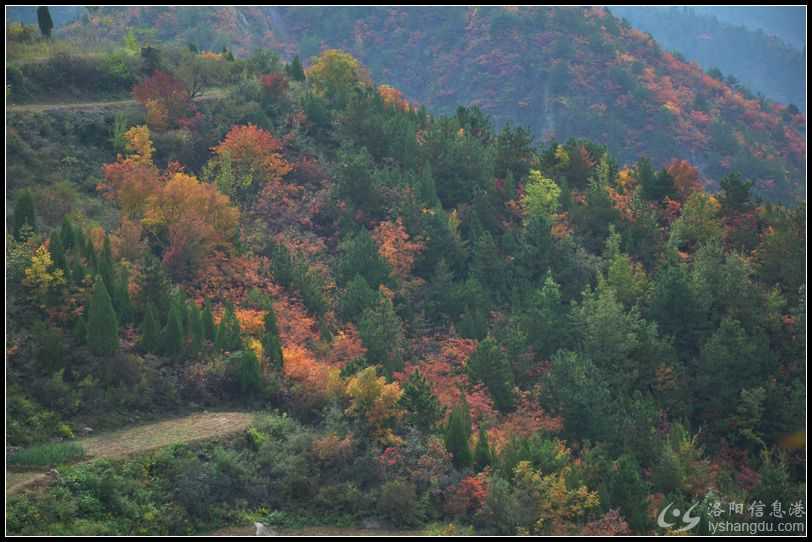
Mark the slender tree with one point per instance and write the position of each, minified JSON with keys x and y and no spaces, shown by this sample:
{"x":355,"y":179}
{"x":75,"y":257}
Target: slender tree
{"x":46,"y":24}
{"x":102,"y":322}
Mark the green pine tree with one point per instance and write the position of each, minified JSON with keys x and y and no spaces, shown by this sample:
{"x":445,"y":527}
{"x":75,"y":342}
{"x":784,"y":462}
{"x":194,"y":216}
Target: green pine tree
{"x":457,"y":433}
{"x":151,"y":330}
{"x":105,"y":266}
{"x":195,"y":329}
{"x":423,"y":409}
{"x":173,"y":335}
{"x":66,"y":233}
{"x":102,"y":322}
{"x":207,"y":318}
{"x":490,"y":366}
{"x":271,"y":343}
{"x":483,"y":456}
{"x":46,"y":24}
{"x":295,"y":70}
{"x":121,"y":296}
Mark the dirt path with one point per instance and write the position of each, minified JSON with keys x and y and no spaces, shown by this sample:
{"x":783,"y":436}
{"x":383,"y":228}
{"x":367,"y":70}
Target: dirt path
{"x":212,"y":94}
{"x":143,"y":438}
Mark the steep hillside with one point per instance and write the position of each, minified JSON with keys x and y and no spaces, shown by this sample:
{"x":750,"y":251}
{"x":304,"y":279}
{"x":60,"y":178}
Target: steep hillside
{"x":564,"y":72}
{"x":449,"y":326}
{"x":752,"y":59}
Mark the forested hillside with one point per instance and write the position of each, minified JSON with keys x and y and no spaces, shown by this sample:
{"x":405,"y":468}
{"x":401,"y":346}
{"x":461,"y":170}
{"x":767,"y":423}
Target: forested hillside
{"x":444,"y":325}
{"x":563,"y":72}
{"x":750,"y":59}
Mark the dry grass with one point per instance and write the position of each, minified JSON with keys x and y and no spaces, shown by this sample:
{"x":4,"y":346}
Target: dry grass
{"x":156,"y":435}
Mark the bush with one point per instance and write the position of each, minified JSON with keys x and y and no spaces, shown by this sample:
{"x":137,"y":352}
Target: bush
{"x":398,"y":502}
{"x":46,"y":455}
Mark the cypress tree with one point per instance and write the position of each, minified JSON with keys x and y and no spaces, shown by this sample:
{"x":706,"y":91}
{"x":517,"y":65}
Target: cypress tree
{"x":77,"y":271}
{"x":102,"y":322}
{"x":249,"y":374}
{"x":482,"y":453}
{"x":121,"y":296}
{"x":209,"y":329}
{"x":105,"y":265}
{"x":46,"y":24}
{"x":458,"y":431}
{"x":155,"y":285}
{"x":23,"y":213}
{"x":173,"y":332}
{"x":90,"y":254}
{"x":271,"y":343}
{"x":195,"y":329}
{"x":151,"y":330}
{"x":66,"y":233}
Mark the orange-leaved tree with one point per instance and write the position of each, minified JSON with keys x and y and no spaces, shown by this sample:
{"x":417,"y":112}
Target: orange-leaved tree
{"x":246,"y":159}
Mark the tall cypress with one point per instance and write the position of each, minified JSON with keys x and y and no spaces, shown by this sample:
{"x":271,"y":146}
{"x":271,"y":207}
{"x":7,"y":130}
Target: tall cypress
{"x":66,"y":233}
{"x":271,"y":343}
{"x":121,"y":296}
{"x":482,"y":453}
{"x":173,"y":332}
{"x":457,"y":433}
{"x":102,"y":322}
{"x":151,"y":330}
{"x":105,"y":265}
{"x":207,"y":319}
{"x":195,"y":329}
{"x":46,"y":24}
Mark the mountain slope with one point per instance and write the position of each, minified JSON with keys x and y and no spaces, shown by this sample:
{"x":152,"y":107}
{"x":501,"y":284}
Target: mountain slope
{"x":762,"y":62}
{"x":564,"y":72}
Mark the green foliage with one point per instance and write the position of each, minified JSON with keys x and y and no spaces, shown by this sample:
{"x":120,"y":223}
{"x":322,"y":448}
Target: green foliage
{"x":151,"y":330}
{"x":358,"y":297}
{"x":541,"y":196}
{"x":102,"y":322}
{"x":457,"y":433}
{"x":483,"y":455}
{"x":295,"y":70}
{"x":228,"y":332}
{"x":381,"y":331}
{"x":46,"y":24}
{"x":423,"y":409}
{"x":654,"y":186}
{"x":249,"y":375}
{"x":271,"y":343}
{"x":490,"y":366}
{"x":207,"y":319}
{"x":47,"y":455}
{"x":173,"y":336}
{"x":23,"y":213}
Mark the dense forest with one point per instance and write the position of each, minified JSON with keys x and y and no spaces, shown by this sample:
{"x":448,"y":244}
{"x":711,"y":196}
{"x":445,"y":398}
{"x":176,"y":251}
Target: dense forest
{"x":562,"y":72}
{"x":442,"y":323}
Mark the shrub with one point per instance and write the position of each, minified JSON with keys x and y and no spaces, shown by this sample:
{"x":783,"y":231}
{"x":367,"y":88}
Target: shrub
{"x":399,"y":504}
{"x":49,"y":454}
